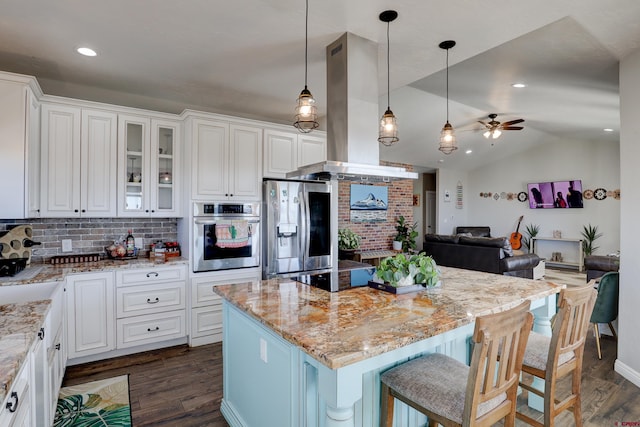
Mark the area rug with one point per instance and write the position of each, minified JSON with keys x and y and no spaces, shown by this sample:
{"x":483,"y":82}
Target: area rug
{"x":103,"y":403}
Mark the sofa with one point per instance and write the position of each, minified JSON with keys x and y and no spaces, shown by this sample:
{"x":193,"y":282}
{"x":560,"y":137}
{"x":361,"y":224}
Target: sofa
{"x":473,"y":248}
{"x":598,"y":265}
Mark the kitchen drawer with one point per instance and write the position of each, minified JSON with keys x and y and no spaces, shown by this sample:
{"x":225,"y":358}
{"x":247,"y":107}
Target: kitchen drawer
{"x":202,"y":286}
{"x":148,"y":299}
{"x":206,"y":321}
{"x":145,"y":276}
{"x":19,"y":400}
{"x":138,"y":330}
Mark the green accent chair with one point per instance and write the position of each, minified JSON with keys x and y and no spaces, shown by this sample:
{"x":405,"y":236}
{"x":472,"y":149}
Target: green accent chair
{"x":606,"y":307}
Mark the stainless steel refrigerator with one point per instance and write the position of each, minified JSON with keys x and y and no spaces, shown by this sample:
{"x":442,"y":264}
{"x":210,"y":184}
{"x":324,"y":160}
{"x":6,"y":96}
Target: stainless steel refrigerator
{"x":300,"y":227}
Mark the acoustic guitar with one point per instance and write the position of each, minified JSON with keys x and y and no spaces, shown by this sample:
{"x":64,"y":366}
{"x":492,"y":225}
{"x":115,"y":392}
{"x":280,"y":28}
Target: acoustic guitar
{"x":516,"y":238}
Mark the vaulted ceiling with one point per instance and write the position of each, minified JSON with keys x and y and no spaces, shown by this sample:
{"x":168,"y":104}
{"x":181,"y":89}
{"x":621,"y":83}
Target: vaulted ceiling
{"x":246,"y":58}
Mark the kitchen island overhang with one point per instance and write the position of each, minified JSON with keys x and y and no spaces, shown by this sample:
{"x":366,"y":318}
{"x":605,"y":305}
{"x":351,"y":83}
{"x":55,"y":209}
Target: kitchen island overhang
{"x":333,"y":346}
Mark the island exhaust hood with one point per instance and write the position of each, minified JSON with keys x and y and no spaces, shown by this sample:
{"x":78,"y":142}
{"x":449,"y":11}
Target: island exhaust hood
{"x":352,"y":117}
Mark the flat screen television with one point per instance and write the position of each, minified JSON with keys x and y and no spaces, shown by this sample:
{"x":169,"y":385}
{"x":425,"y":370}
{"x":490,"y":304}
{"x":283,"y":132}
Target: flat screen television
{"x":555,"y":194}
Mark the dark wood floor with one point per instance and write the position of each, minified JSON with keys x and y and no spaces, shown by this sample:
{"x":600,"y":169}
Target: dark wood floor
{"x":182,"y":386}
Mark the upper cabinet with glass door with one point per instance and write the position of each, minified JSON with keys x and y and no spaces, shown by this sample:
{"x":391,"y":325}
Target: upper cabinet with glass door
{"x":149,"y":159}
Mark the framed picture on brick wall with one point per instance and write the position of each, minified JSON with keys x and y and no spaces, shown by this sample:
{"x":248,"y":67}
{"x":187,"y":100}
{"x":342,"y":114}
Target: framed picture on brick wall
{"x":368,"y":203}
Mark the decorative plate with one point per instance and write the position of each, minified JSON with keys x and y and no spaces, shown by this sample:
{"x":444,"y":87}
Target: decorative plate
{"x":522,"y":196}
{"x":616,"y":194}
{"x":503,"y":195}
{"x":481,"y":194}
{"x":509,"y":196}
{"x":600,"y":194}
{"x":587,"y":194}
{"x":496,"y":196}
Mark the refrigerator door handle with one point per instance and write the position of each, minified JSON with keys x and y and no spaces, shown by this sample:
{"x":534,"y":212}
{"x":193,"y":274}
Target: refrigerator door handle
{"x":304,"y":223}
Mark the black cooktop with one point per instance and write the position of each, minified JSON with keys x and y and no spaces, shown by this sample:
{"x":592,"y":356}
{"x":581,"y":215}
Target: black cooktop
{"x":347,"y":279}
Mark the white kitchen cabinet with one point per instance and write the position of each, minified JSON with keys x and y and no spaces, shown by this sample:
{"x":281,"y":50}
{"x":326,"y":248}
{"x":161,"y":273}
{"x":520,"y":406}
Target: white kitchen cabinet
{"x":286,"y":151}
{"x":206,"y":305}
{"x":20,"y":147}
{"x":226,"y":161}
{"x":79,"y":154}
{"x":150,"y":305}
{"x":90,"y":314}
{"x":16,"y":410}
{"x":148,"y":167}
{"x":56,"y":356}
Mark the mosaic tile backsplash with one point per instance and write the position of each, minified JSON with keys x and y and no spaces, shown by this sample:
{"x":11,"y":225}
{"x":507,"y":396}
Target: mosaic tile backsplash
{"x":90,"y":235}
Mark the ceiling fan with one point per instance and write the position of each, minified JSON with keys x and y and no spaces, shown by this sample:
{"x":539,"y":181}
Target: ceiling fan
{"x":495,"y":128}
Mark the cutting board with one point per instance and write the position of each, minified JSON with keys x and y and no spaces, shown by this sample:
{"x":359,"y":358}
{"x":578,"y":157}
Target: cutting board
{"x":11,"y":243}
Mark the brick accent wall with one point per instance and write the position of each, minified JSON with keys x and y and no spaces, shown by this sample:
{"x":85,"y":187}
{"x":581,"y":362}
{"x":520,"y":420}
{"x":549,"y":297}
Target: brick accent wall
{"x":379,"y":235}
{"x":91,"y":235}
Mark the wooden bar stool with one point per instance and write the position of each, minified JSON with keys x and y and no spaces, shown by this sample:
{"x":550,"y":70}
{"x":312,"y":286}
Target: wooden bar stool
{"x":454,"y":394}
{"x":551,"y":358}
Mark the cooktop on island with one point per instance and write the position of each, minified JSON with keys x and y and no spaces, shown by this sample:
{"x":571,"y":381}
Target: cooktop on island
{"x":350,"y":275}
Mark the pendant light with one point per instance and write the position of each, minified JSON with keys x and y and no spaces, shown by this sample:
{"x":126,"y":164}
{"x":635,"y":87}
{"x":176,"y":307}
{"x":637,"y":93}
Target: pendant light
{"x":306,"y":112}
{"x":447,"y":135}
{"x":388,"y":134}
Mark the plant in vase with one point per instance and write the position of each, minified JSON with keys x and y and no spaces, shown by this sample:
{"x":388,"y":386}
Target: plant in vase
{"x":531,"y":231}
{"x":348,"y":242}
{"x":590,"y":234}
{"x":406,"y":270}
{"x":405,"y":234}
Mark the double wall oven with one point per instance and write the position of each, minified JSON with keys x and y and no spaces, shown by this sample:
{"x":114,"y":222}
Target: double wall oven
{"x":225,"y":235}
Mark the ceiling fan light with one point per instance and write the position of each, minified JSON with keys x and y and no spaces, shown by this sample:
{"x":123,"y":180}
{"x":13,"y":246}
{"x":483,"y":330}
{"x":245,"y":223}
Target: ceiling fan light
{"x":447,"y":139}
{"x":487,"y":134}
{"x":496,"y":133}
{"x":388,"y":133}
{"x":306,"y":112}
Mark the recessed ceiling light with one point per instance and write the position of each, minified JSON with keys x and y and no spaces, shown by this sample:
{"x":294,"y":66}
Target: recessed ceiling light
{"x":519,"y":85}
{"x":86,"y":51}
{"x":607,"y":130}
{"x":468,"y":151}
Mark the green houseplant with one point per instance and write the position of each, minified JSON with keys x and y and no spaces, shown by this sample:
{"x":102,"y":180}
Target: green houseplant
{"x":590,"y":234}
{"x":406,"y":234}
{"x":348,"y":242}
{"x":531,"y":231}
{"x":406,"y":270}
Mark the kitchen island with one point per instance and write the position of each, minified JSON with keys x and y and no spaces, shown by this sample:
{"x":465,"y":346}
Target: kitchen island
{"x":295,"y":355}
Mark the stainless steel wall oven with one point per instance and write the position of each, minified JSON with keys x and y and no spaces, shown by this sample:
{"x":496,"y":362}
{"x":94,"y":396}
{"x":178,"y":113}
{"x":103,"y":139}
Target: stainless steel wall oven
{"x":225,"y":235}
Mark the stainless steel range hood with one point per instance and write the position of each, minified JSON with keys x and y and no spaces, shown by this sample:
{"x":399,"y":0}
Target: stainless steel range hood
{"x":353,"y":149}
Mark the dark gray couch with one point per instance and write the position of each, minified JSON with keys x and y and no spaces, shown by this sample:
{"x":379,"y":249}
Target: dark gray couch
{"x":473,"y":248}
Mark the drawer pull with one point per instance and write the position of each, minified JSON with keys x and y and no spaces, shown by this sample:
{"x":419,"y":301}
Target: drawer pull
{"x":13,"y":406}
{"x":157,"y":328}
{"x":149,"y":301}
{"x":41,"y":334}
{"x":58,"y":346}
{"x":152,"y":274}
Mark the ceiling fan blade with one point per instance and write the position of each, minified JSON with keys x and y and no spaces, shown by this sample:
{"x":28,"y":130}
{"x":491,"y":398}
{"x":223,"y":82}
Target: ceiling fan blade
{"x":483,"y":123}
{"x":512,"y":127}
{"x":512,"y":122}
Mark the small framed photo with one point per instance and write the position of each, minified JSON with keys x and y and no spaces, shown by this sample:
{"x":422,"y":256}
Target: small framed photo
{"x":416,"y":200}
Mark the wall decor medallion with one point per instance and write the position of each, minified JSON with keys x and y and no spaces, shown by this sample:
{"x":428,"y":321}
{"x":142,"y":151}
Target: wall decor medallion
{"x":587,"y":194}
{"x":522,"y":196}
{"x":496,"y":196}
{"x":616,"y":194}
{"x":503,"y":195}
{"x":600,"y":194}
{"x":510,"y":196}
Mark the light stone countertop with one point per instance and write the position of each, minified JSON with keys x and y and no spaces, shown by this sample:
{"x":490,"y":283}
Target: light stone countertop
{"x":342,"y":328}
{"x":20,"y":323}
{"x":19,"y":326}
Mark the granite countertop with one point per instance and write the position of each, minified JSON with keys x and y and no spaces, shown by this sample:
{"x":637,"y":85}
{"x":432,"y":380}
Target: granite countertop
{"x":19,"y":326}
{"x":54,"y":273}
{"x":342,"y":328}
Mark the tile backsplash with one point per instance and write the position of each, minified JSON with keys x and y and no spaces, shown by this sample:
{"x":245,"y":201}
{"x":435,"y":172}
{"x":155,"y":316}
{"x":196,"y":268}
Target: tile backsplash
{"x":91,"y":235}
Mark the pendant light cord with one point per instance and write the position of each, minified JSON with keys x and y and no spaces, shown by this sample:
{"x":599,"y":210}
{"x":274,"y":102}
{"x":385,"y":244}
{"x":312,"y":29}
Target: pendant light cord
{"x":306,"y":40}
{"x":447,"y":85}
{"x":388,"y":71}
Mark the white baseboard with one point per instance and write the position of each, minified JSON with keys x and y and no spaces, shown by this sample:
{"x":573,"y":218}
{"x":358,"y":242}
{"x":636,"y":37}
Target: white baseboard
{"x":627,"y":372}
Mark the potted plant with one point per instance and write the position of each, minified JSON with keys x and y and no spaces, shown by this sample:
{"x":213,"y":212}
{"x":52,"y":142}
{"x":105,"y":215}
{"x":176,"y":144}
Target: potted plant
{"x":406,"y":270}
{"x":405,"y":234}
{"x":531,"y":231}
{"x":348,"y":242}
{"x":590,"y":234}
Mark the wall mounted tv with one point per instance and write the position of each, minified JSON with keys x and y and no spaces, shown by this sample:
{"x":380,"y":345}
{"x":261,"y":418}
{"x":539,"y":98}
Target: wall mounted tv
{"x":555,"y":194}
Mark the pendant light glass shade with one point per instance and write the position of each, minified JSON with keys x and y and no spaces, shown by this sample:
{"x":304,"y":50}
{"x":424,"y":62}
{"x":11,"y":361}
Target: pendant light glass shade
{"x":447,"y":134}
{"x":306,"y":112}
{"x":388,"y":132}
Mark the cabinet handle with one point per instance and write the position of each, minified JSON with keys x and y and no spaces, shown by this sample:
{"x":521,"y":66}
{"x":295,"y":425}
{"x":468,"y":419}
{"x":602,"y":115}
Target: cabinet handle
{"x":149,"y":301}
{"x":153,"y":273}
{"x":75,"y":210}
{"x":146,"y":210}
{"x":157,"y":328}
{"x":13,"y":406}
{"x":41,"y":334}
{"x":58,"y":346}
{"x":83,"y":210}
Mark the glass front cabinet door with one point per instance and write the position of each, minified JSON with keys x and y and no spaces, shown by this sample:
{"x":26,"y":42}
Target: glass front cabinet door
{"x":148,"y":166}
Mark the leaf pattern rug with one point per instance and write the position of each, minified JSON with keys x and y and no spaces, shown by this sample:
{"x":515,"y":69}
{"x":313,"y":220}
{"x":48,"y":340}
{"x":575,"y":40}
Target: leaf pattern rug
{"x":103,"y":403}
